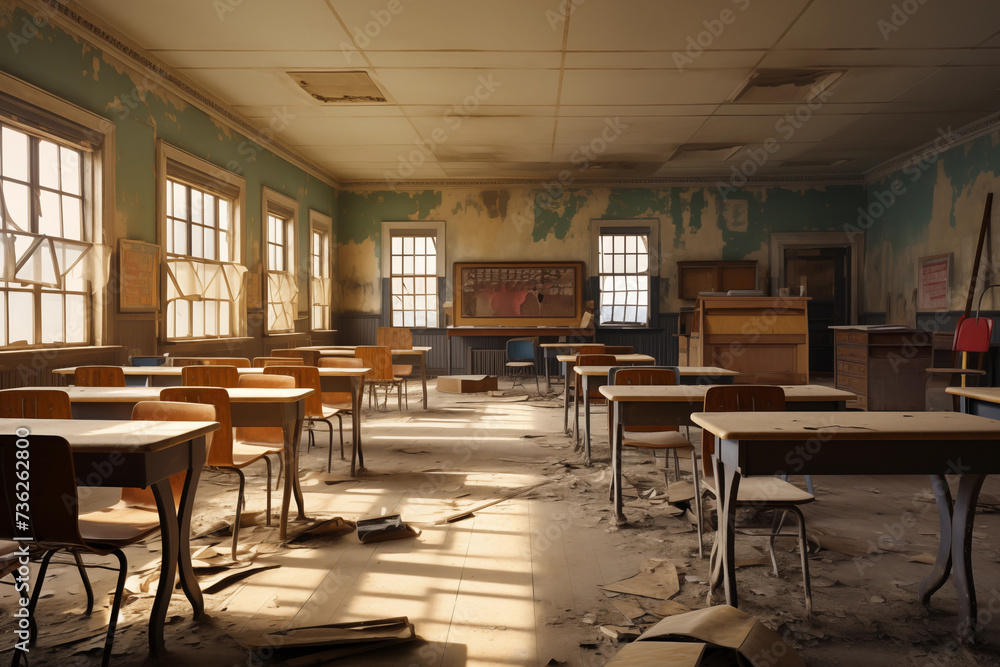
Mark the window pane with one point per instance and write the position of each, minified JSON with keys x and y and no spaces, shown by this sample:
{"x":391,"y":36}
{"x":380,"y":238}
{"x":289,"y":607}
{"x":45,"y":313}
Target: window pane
{"x":72,"y":211}
{"x":70,"y":164}
{"x":420,"y":319}
{"x":48,"y":164}
{"x":418,"y":265}
{"x":419,"y":245}
{"x":15,"y":154}
{"x":408,"y":319}
{"x":407,"y":245}
{"x":77,"y":325}
{"x":197,"y":249}
{"x":180,"y":201}
{"x":49,"y":214}
{"x":197,"y":201}
{"x":198,"y":318}
{"x":224,"y":254}
{"x":619,"y":264}
{"x":16,"y":196}
{"x":397,"y":318}
{"x":22,"y":319}
{"x":210,"y":251}
{"x":397,"y":245}
{"x":630,"y":244}
{"x":225,"y":324}
{"x":180,"y":239}
{"x":432,"y":318}
{"x":225,"y":217}
{"x":52,"y":318}
{"x":183,"y":319}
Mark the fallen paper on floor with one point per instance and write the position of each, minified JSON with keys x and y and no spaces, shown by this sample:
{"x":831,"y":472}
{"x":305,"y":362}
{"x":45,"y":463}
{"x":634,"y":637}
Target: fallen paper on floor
{"x":344,"y":638}
{"x":656,"y":579}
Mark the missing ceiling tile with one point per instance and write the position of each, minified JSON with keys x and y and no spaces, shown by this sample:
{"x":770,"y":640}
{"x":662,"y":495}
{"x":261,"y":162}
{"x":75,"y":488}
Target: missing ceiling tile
{"x":705,"y":152}
{"x":339,"y":87}
{"x":775,"y":86}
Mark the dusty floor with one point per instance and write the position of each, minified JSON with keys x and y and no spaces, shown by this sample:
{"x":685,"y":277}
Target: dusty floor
{"x":517,"y":584}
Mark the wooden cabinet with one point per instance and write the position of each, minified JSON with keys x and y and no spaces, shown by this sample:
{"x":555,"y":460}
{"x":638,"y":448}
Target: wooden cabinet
{"x":765,"y":339}
{"x":695,"y":277}
{"x":886,"y":368}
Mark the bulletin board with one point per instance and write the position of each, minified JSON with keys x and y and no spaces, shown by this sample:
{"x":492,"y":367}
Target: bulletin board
{"x":138,"y":277}
{"x":542,"y":294}
{"x":934,"y":282}
{"x":254,"y":290}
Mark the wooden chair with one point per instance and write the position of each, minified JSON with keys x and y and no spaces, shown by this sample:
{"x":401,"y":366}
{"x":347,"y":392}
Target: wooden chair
{"x":618,"y":349}
{"x":397,"y":338}
{"x":99,"y":376}
{"x":596,"y":348}
{"x":259,"y":380}
{"x":521,"y":357}
{"x":224,"y":453}
{"x":264,"y":436}
{"x":379,"y":360}
{"x":341,"y":400}
{"x":239,"y":362}
{"x":307,"y":377}
{"x":264,"y":362}
{"x":762,"y":493}
{"x":55,"y":520}
{"x":210,"y":376}
{"x":664,"y":437}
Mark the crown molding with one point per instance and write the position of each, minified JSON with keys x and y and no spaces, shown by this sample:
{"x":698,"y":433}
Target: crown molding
{"x":932,"y":149}
{"x":557,"y":185}
{"x":80,"y":21}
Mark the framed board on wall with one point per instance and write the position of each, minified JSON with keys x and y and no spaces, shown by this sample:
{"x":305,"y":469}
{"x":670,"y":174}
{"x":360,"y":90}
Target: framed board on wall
{"x":138,"y":277}
{"x":934,"y":282}
{"x":525,"y":294}
{"x":254,"y":290}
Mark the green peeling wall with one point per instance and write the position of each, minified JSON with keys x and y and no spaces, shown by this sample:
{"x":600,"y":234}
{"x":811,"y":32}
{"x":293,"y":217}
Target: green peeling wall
{"x":932,"y":207}
{"x":40,"y":53}
{"x":522,"y":224}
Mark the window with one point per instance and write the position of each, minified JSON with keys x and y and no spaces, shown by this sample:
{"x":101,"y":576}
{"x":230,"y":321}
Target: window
{"x":201,"y":207}
{"x":625,"y":273}
{"x":415,"y":254}
{"x":46,"y":272}
{"x":319,"y":271}
{"x":279,"y":261}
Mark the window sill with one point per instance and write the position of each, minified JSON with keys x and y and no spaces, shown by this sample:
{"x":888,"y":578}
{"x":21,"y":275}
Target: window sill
{"x":202,"y":341}
{"x":57,"y":350}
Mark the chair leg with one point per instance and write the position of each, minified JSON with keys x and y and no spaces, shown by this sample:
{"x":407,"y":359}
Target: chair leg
{"x":399,"y":397}
{"x":538,"y":389}
{"x":115,"y":606}
{"x":776,"y":524}
{"x":86,"y":582}
{"x":239,"y":510}
{"x":40,"y":577}
{"x":804,"y":552}
{"x":697,"y":501}
{"x":267,"y":464}
{"x":281,"y":469}
{"x":677,"y":466}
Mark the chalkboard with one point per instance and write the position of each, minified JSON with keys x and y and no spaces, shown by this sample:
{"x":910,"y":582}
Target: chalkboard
{"x":138,"y":277}
{"x":518,"y":294}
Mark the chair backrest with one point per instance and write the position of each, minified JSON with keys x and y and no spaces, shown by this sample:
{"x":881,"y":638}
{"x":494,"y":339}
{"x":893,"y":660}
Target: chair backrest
{"x":341,"y":362}
{"x":264,"y":362}
{"x":593,"y":360}
{"x":394,"y":338}
{"x":99,"y":376}
{"x":521,"y":349}
{"x":54,"y":505}
{"x":596,"y":348}
{"x":308,"y":357}
{"x":167,"y":411}
{"x":644,"y":375}
{"x":239,"y":362}
{"x":259,"y":380}
{"x":378,"y":359}
{"x":148,"y":361}
{"x":340,"y":399}
{"x":306,"y":377}
{"x":737,"y":398}
{"x":210,"y":376}
{"x":618,"y":349}
{"x":221,"y":451}
{"x":31,"y":403}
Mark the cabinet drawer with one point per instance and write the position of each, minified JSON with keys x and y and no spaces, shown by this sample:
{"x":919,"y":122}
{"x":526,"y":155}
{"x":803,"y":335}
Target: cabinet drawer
{"x":851,"y":383}
{"x":852,"y":367}
{"x":849,"y":352}
{"x":853,"y":337}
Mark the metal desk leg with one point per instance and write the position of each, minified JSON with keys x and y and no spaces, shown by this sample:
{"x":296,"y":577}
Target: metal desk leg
{"x":942,"y":564}
{"x":423,"y":376}
{"x":170,"y":546}
{"x":565,"y":400}
{"x":961,"y":546}
{"x":586,"y":418}
{"x":548,"y":379}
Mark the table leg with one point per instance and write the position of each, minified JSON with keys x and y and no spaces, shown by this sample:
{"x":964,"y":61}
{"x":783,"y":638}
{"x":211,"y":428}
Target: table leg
{"x":548,"y":379}
{"x":292,"y":433}
{"x":576,"y":419}
{"x":565,"y":400}
{"x":961,"y":540}
{"x":449,"y":355}
{"x":942,"y":564}
{"x":189,"y":582}
{"x":616,"y":465}
{"x":169,"y":549}
{"x":727,"y":486}
{"x":586,"y":419}
{"x":357,"y":456}
{"x":423,"y":376}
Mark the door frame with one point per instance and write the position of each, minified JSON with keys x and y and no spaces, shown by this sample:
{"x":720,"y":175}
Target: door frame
{"x":855,"y":241}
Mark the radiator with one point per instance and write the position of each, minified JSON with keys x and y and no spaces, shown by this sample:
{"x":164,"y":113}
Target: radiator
{"x":487,"y":362}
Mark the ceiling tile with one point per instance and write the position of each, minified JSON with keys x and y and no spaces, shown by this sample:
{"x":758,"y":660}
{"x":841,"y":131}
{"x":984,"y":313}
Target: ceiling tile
{"x":465,"y":59}
{"x":655,"y":25}
{"x":612,"y":129}
{"x":470,"y":88}
{"x":603,"y":111}
{"x":511,"y":110}
{"x":349,"y":132}
{"x":320,"y":110}
{"x":650,"y":86}
{"x":265,"y":59}
{"x":661,"y":60}
{"x":489,"y":130}
{"x":883,"y":24}
{"x":823,"y":58}
{"x":911,"y":129}
{"x":781,"y":109}
{"x":250,"y":87}
{"x":782,"y":129}
{"x":475,"y":25}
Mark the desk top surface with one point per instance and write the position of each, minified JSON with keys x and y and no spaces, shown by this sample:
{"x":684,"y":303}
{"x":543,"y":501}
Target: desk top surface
{"x":696,"y":392}
{"x":827,"y":426}
{"x":104,"y":435}
{"x":176,"y":370}
{"x":683,"y":370}
{"x":342,"y":349}
{"x":620,"y":358}
{"x":236,"y":395}
{"x":989,"y":394}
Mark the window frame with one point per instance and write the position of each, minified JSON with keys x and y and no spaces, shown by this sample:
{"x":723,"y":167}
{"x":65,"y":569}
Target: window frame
{"x":44,"y":116}
{"x":180,"y":166}
{"x":322,"y":224}
{"x":275,"y":204}
{"x":649,"y":227}
{"x":431,"y":228}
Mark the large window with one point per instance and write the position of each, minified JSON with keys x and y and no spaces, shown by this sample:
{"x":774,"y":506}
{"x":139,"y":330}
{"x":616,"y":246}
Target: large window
{"x":279,"y":261}
{"x":320,"y":265}
{"x":414,"y":256}
{"x":45,"y":295}
{"x":201,"y":205}
{"x":625,"y":271}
